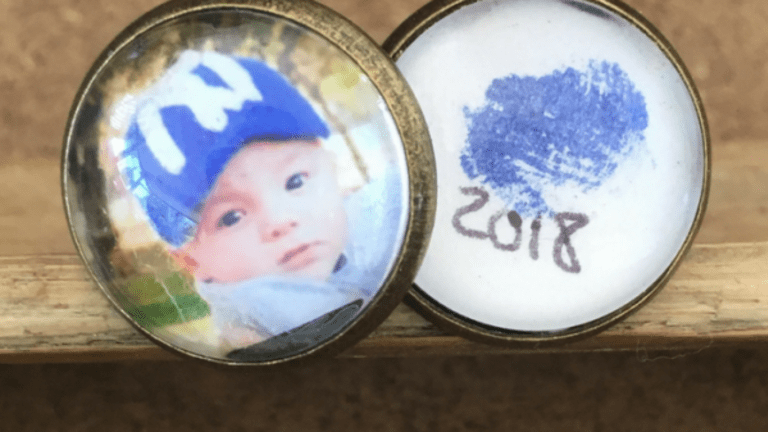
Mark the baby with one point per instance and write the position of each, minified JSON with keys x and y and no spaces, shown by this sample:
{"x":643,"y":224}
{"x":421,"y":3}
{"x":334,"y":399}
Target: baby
{"x":226,"y":158}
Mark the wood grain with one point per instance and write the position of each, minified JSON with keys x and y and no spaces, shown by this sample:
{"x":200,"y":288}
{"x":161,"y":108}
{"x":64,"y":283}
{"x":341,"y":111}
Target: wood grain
{"x":51,"y":311}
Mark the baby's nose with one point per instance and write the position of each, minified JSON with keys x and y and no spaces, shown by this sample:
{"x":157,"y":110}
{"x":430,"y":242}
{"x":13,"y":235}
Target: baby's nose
{"x":277,"y":230}
{"x":278,"y":217}
{"x":278,"y":221}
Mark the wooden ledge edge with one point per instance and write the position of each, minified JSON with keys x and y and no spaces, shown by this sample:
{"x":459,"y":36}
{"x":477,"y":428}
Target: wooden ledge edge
{"x":51,"y":312}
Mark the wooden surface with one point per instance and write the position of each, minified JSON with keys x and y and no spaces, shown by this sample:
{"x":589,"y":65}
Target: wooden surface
{"x":52,"y":312}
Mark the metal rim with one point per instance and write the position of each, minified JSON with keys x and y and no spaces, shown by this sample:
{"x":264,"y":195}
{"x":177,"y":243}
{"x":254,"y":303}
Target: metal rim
{"x":419,"y":23}
{"x":400,"y":102}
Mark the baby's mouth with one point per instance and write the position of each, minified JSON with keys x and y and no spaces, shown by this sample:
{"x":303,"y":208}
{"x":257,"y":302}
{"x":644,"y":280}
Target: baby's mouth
{"x":299,"y":257}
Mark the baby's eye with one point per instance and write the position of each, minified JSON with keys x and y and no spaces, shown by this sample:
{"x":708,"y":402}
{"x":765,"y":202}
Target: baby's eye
{"x":230,"y":218}
{"x":295,"y":181}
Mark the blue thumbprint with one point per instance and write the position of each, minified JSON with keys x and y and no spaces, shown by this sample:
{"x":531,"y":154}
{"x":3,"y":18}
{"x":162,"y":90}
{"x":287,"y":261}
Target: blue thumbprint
{"x":535,"y":134}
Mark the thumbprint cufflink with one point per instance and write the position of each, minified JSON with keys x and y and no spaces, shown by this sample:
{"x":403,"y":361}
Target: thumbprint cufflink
{"x":573,"y":163}
{"x":248,"y":182}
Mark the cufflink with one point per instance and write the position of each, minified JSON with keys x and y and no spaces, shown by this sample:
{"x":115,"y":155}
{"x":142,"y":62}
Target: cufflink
{"x":572,"y":159}
{"x":249,"y":183}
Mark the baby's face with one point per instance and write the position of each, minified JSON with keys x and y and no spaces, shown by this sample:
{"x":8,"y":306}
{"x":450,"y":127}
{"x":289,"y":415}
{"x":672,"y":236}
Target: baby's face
{"x":276,"y":209}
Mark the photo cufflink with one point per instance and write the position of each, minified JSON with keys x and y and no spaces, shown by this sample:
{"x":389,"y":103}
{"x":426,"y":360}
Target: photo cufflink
{"x":249,"y":182}
{"x":572,"y":158}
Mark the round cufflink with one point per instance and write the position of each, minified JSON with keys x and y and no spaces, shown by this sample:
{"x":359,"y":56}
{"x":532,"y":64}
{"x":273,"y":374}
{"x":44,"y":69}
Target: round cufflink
{"x":248,"y":182}
{"x":572,"y":159}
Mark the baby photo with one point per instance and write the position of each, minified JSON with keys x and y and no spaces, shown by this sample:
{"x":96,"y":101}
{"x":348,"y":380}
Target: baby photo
{"x":275,"y":196}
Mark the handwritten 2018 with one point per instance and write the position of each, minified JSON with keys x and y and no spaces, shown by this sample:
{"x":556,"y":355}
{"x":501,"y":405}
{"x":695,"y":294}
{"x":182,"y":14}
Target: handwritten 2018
{"x":567,"y":222}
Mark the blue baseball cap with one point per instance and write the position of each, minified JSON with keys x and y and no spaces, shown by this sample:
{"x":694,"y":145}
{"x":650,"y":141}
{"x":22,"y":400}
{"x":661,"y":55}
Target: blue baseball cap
{"x":188,"y":125}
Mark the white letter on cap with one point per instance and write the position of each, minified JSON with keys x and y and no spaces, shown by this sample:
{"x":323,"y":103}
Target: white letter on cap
{"x":179,"y":86}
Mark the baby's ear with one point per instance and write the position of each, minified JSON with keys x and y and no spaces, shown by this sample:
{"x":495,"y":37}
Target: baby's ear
{"x":185,"y":261}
